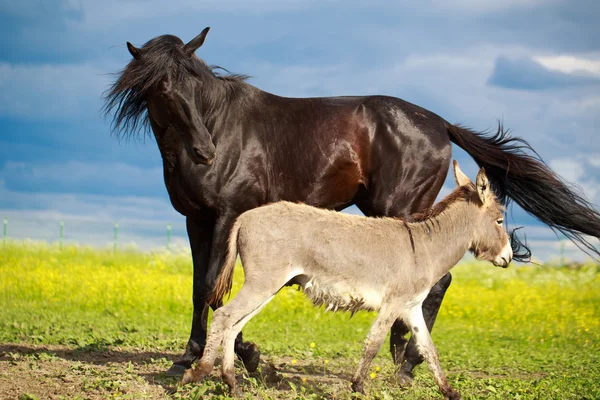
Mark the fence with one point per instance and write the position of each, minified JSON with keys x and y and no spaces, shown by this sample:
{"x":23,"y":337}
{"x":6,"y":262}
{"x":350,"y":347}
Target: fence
{"x":144,"y":235}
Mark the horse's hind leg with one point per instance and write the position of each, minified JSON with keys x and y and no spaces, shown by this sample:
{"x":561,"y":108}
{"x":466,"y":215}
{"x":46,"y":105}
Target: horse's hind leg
{"x":425,"y":345}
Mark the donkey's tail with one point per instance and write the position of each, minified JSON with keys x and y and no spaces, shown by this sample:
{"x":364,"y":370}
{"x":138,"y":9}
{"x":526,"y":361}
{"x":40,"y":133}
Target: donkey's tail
{"x":518,"y":173}
{"x":225,"y":279}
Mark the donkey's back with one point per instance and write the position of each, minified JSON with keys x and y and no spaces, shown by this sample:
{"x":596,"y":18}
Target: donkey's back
{"x":341,"y":261}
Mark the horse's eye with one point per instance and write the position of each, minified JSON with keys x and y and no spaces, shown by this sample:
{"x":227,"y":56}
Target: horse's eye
{"x":500,"y":221}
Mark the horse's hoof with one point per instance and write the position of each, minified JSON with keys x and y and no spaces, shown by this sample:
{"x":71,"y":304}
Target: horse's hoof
{"x":250,"y":357}
{"x":176,"y":370}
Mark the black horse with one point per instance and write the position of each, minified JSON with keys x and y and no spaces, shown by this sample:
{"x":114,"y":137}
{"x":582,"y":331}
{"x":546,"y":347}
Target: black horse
{"x":228,"y":147}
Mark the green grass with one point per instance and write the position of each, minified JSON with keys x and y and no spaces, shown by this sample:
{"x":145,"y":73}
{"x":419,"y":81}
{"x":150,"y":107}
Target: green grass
{"x":527,"y":332}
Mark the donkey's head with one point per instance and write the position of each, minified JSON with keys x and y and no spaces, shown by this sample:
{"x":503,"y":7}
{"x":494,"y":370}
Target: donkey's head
{"x":173,"y":91}
{"x":490,"y":241}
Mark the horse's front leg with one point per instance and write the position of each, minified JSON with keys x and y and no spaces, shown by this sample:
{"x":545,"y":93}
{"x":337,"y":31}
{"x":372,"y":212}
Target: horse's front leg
{"x":200,"y":234}
{"x":248,"y":352}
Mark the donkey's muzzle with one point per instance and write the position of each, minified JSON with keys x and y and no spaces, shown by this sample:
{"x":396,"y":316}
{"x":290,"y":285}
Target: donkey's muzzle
{"x":503,"y":263}
{"x":505,"y":256}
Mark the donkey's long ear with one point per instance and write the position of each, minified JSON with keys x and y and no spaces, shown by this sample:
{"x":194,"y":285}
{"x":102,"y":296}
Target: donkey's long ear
{"x":134,"y":51}
{"x":483,"y":186}
{"x":461,"y":178}
{"x":196,"y":42}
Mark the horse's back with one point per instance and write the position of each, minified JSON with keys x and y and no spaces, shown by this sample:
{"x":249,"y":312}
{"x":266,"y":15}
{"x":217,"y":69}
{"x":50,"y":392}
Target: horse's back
{"x":328,"y":151}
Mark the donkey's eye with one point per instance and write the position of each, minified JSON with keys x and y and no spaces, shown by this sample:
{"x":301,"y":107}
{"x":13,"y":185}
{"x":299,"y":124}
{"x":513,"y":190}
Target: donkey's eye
{"x":500,"y":221}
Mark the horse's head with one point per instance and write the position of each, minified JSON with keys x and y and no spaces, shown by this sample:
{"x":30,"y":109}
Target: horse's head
{"x":174,"y":100}
{"x":490,"y":241}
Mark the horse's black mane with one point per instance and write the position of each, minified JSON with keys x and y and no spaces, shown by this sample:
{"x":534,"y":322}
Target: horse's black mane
{"x":160,"y":56}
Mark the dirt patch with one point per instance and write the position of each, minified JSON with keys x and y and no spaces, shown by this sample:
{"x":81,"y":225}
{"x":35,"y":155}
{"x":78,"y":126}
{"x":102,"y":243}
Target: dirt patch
{"x":55,"y":372}
{"x":61,"y":372}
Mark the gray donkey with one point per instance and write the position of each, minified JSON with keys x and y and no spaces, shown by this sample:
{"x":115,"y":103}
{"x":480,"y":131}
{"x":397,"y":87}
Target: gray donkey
{"x":351,"y":263}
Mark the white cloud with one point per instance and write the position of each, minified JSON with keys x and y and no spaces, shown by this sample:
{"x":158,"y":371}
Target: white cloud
{"x":594,"y":160}
{"x":570,"y":169}
{"x":580,"y":171}
{"x":570,"y":64}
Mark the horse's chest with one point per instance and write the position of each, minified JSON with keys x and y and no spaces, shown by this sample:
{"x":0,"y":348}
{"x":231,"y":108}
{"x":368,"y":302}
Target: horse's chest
{"x":186,"y":196}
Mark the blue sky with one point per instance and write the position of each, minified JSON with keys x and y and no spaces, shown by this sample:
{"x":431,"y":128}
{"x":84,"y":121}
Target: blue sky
{"x":535,"y":64}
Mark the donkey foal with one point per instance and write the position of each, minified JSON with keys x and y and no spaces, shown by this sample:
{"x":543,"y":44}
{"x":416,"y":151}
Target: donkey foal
{"x":354,"y":263}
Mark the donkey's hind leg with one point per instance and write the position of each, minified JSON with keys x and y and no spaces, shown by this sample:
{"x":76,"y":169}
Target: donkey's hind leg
{"x":228,"y":368}
{"x":253,"y":296}
{"x":373,"y":343}
{"x":425,"y":345}
{"x":219,"y":326}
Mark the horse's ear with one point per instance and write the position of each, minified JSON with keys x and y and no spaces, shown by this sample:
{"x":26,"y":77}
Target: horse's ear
{"x":461,"y":178}
{"x":134,"y":51}
{"x":196,"y":42}
{"x":483,"y":186}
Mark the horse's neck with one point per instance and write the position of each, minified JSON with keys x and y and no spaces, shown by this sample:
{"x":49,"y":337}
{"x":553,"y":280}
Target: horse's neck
{"x":226,"y":100}
{"x":444,"y":239}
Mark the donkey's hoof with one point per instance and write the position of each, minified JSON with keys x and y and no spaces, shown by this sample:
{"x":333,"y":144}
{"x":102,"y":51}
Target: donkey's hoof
{"x":405,"y":378}
{"x":453,"y":395}
{"x":236,"y":392}
{"x":357,"y":387}
{"x":250,"y":357}
{"x":188,"y":377}
{"x":176,"y":370}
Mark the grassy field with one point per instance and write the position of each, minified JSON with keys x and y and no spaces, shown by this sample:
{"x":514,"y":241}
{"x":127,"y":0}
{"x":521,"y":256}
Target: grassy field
{"x":83,"y":323}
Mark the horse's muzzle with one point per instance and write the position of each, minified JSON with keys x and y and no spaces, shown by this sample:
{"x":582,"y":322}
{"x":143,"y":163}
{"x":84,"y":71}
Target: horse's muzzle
{"x":200,"y":157}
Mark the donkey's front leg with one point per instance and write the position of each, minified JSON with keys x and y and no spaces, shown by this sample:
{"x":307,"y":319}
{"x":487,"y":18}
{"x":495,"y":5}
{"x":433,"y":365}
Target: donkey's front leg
{"x":425,"y":345}
{"x":408,"y":357}
{"x":248,"y":352}
{"x":373,"y":343}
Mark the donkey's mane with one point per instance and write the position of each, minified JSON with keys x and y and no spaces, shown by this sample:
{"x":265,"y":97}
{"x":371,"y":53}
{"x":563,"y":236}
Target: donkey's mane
{"x":466,"y":193}
{"x":163,"y":55}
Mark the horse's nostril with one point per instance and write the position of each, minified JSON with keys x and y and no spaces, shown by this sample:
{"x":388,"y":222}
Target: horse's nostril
{"x":199,"y":153}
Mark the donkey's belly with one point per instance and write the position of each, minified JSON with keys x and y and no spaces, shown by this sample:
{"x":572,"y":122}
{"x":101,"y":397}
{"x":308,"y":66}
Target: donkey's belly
{"x":340,"y":296}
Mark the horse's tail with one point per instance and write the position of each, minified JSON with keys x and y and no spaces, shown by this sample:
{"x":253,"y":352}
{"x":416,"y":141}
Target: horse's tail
{"x":225,"y":279}
{"x":518,"y":173}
